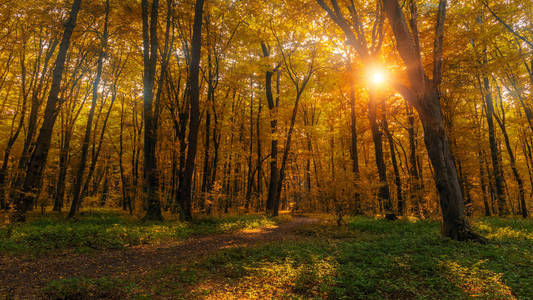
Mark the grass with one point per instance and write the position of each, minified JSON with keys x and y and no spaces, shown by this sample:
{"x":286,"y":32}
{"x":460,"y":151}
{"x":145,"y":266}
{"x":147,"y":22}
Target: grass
{"x":83,"y":288}
{"x":365,"y":259}
{"x":110,"y":229}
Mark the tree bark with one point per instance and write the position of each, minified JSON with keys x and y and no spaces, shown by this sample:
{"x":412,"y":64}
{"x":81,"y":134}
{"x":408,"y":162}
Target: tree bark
{"x":518,"y":178}
{"x":497,"y":169}
{"x":250,"y":176}
{"x":416,"y":187}
{"x":151,"y":173}
{"x":29,"y":187}
{"x":383,"y":189}
{"x":13,"y":136}
{"x":184,"y":192}
{"x":126,"y":199}
{"x":78,"y":179}
{"x":397,"y":179}
{"x":424,"y":96}
{"x":353,"y":147}
{"x":273,"y":108}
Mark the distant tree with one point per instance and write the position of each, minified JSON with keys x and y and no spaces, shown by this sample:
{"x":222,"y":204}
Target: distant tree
{"x":27,"y":187}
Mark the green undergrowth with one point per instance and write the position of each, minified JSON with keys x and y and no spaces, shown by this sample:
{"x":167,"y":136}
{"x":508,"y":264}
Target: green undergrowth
{"x":85,"y":289}
{"x":108,"y":229}
{"x":366,"y":259}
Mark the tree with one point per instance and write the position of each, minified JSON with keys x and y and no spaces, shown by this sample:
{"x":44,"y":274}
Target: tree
{"x":424,"y":95}
{"x":368,"y":54}
{"x":184,"y":192}
{"x":26,"y":189}
{"x":151,"y":176}
{"x":78,"y":179}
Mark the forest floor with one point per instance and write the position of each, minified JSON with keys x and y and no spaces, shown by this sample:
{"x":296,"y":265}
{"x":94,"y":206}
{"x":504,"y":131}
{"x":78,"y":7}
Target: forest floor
{"x":107,"y":255}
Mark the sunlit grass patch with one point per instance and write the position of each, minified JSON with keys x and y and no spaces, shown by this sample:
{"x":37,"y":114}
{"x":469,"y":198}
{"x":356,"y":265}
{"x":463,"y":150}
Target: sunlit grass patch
{"x":288,"y":269}
{"x":111,"y":229}
{"x":505,"y":229}
{"x":477,"y":280}
{"x":365,"y":259}
{"x":369,"y":259}
{"x":246,"y":222}
{"x":410,"y":260}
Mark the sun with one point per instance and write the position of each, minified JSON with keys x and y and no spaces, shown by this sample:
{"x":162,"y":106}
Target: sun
{"x":377,"y":77}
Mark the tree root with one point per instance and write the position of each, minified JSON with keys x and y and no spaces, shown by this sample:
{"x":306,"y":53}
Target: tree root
{"x":464,"y":232}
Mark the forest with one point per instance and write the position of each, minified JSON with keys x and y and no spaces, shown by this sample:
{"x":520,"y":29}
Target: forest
{"x":230,"y":149}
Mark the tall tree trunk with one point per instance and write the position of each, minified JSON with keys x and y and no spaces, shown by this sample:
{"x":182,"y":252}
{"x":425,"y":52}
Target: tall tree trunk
{"x":416,"y":187}
{"x":78,"y":179}
{"x":259,"y":167}
{"x":483,"y":184}
{"x":250,"y":176}
{"x":151,"y":173}
{"x":518,"y":178}
{"x":207,"y":139}
{"x":97,"y":146}
{"x":491,"y":181}
{"x":207,"y":172}
{"x":497,"y":169}
{"x":28,"y":188}
{"x":36,"y":103}
{"x":353,"y":149}
{"x":526,"y":149}
{"x":397,"y":179}
{"x":13,"y":136}
{"x":481,"y":162}
{"x":64,"y":158}
{"x":184,"y":193}
{"x":383,"y":189}
{"x":273,"y":108}
{"x":286,"y":152}
{"x":425,"y":97}
{"x":126,"y":199}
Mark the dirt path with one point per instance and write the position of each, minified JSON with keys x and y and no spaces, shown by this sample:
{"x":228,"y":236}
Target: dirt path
{"x":24,"y":277}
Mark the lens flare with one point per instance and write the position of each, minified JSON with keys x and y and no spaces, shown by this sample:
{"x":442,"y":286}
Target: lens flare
{"x":377,"y":77}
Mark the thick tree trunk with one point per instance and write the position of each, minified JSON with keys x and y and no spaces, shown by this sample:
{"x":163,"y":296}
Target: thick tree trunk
{"x":29,"y":188}
{"x":151,"y":173}
{"x":184,"y":193}
{"x":36,"y":103}
{"x":455,"y":224}
{"x":425,"y":97}
{"x":273,"y":108}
